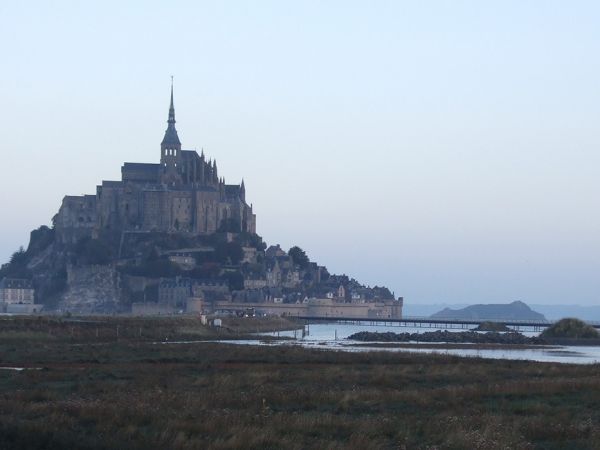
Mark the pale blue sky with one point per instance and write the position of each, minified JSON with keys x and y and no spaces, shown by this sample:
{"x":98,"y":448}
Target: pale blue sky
{"x":446,"y":149}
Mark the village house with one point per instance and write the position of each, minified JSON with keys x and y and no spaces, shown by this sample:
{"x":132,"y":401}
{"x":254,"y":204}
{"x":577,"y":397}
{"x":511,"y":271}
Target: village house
{"x":17,"y":296}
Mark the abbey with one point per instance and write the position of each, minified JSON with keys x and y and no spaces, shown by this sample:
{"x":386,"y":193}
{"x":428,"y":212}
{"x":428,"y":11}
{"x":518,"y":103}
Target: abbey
{"x":183,"y":193}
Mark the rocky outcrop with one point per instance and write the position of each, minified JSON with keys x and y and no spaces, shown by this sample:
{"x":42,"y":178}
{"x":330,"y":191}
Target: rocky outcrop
{"x":447,"y":336}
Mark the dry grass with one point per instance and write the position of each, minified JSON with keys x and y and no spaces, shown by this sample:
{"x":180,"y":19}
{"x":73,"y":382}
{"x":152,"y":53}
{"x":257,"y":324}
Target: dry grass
{"x":134,"y":394}
{"x":112,"y":328}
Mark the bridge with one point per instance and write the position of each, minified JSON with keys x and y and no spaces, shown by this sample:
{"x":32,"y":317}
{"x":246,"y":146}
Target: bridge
{"x":428,"y":322}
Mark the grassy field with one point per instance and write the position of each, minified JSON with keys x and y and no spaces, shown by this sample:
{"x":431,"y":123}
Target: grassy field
{"x":130,"y":392}
{"x":118,"y":328}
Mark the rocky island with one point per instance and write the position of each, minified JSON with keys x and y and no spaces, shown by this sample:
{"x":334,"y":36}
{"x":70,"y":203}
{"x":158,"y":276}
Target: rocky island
{"x":174,"y":237}
{"x":445,"y":336}
{"x":512,"y":311}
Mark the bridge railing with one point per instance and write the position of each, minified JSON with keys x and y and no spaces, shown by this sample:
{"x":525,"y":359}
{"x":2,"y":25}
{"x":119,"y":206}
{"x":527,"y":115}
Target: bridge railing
{"x":449,"y":321}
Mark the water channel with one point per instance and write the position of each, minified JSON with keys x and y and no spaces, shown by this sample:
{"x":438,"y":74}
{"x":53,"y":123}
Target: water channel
{"x":333,"y":336}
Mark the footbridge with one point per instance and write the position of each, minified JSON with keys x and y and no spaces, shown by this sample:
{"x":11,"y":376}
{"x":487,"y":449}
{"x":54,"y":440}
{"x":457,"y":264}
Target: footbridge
{"x":428,"y":322}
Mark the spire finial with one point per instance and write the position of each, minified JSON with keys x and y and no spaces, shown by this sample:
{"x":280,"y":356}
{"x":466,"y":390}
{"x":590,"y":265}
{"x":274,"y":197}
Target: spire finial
{"x":172,"y":107}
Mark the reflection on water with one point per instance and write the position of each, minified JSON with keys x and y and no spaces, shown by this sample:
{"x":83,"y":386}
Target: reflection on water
{"x":324,"y":336}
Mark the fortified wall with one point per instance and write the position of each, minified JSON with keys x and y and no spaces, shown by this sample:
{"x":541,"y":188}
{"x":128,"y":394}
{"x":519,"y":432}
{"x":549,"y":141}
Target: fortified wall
{"x":389,"y":309}
{"x":91,"y":289}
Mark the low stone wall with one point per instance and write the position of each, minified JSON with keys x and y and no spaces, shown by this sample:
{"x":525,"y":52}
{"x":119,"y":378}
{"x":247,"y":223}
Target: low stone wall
{"x":320,"y":308}
{"x":151,"y":309}
{"x":20,"y":308}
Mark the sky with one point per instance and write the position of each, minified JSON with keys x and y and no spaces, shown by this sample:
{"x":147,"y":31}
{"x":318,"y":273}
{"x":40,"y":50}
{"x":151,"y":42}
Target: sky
{"x":446,"y":149}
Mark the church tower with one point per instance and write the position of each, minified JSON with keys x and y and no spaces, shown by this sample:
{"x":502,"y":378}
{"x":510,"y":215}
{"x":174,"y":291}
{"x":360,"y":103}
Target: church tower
{"x":170,"y":148}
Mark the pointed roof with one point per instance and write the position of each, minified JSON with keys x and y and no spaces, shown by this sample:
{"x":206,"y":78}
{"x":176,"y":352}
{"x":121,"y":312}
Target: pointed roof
{"x":171,"y":138}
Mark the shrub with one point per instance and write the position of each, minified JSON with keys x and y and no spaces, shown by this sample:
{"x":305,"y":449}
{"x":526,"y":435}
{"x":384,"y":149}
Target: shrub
{"x":299,"y":257}
{"x":570,"y":328}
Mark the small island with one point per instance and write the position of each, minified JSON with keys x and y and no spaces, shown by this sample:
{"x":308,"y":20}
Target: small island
{"x":564,"y":332}
{"x":511,"y":311}
{"x":571,"y":331}
{"x":445,"y":336}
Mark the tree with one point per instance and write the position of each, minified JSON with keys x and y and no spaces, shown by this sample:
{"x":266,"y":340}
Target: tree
{"x":235,"y":280}
{"x":229,"y":252}
{"x":252,"y":240}
{"x":206,"y":270}
{"x":299,"y":257}
{"x":17,"y":267}
{"x":19,"y":257}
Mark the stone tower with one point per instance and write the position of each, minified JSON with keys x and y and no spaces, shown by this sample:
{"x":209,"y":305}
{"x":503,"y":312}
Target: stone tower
{"x":170,"y":149}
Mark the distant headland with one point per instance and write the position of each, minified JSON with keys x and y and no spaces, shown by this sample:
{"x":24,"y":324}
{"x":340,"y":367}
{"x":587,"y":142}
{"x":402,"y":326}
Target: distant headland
{"x":512,"y":311}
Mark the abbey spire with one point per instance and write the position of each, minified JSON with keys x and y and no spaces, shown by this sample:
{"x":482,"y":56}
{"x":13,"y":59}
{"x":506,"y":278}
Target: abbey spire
{"x":171,"y":139}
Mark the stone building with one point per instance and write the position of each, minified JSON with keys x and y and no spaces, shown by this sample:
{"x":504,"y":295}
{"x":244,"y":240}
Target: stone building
{"x":185,"y":260}
{"x":16,"y":291}
{"x":176,"y":291}
{"x":17,"y":296}
{"x":182,"y":193}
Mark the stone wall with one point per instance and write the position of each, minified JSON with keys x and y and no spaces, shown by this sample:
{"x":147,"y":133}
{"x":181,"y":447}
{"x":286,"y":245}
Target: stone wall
{"x":20,"y":309}
{"x":321,"y":308}
{"x":76,"y":218}
{"x":91,"y":289}
{"x":151,"y":309}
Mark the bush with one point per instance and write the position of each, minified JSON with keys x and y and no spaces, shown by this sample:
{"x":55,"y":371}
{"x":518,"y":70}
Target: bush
{"x":229,"y":253}
{"x":299,"y":257}
{"x":209,"y":270}
{"x":570,"y":328}
{"x":252,"y":240}
{"x":235,"y":280}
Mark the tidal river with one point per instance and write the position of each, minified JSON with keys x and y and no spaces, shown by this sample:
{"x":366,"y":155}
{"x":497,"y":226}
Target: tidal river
{"x":334,"y":336}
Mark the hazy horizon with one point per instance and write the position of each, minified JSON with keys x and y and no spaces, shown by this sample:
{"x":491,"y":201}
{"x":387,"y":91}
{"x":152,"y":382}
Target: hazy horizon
{"x":447,"y":150}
